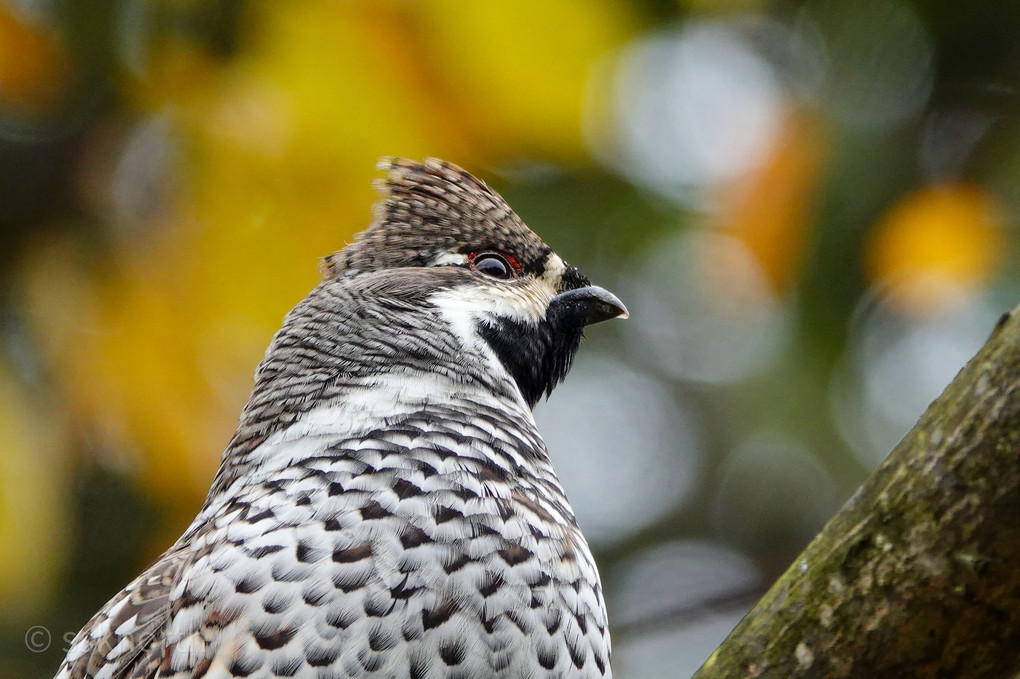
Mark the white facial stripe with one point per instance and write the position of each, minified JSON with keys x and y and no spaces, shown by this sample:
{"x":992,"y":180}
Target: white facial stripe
{"x":555,"y":267}
{"x":462,"y":315}
{"x":448,"y":259}
{"x":527,"y":300}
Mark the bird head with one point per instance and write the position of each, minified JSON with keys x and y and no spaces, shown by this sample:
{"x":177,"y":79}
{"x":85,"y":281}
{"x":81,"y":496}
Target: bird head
{"x":445,"y":293}
{"x":443,"y":237}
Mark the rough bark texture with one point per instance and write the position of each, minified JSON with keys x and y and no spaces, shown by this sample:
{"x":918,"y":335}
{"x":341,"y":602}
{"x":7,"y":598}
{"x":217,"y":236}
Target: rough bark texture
{"x":919,"y":574}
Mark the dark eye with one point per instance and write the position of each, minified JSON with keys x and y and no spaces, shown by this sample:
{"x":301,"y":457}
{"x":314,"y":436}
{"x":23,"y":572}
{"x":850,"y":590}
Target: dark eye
{"x":495,"y":265}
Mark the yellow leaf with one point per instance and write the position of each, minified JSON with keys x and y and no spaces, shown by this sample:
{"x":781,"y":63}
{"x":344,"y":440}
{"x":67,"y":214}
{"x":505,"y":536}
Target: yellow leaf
{"x":934,"y":244}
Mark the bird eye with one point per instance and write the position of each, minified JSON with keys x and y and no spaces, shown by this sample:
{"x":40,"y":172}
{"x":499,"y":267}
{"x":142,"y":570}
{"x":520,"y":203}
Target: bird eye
{"x":495,"y":265}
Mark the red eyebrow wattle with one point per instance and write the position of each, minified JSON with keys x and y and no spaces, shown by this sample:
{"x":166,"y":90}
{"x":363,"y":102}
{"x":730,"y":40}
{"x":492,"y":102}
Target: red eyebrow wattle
{"x":508,"y":257}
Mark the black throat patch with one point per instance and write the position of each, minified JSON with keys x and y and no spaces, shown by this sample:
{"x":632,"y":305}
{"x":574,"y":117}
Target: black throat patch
{"x":537,"y":356}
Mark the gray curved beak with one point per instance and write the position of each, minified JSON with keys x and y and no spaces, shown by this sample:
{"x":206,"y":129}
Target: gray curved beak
{"x":587,"y":305}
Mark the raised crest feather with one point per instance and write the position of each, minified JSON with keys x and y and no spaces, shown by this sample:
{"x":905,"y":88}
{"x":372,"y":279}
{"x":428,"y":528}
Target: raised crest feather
{"x":427,"y":209}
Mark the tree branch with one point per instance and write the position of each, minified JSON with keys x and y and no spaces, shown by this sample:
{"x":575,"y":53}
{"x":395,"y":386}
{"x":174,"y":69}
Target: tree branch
{"x":918,"y":575}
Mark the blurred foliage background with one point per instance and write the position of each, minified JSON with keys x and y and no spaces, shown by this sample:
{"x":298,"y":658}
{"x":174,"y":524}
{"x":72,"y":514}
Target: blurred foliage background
{"x":810,"y":208}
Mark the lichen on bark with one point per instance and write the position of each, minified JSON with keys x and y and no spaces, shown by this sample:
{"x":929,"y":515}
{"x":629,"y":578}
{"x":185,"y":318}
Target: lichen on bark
{"x":918,"y":575}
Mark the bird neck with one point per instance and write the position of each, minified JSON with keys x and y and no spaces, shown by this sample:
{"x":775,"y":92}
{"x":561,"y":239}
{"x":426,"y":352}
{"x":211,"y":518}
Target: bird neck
{"x":346,"y":364}
{"x":373,"y":407}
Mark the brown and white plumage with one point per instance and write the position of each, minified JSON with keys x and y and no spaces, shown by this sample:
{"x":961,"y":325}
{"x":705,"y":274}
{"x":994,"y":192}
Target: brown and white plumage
{"x":387,"y":507}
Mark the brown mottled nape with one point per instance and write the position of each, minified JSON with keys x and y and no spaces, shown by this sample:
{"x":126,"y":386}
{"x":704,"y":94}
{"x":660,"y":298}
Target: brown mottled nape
{"x":429,"y":209}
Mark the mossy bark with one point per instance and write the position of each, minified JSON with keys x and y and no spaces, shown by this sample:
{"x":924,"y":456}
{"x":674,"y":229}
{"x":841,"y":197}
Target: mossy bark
{"x":918,"y":575}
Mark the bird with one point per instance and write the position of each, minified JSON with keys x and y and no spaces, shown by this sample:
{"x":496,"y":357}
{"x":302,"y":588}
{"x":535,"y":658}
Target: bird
{"x":387,"y":506}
